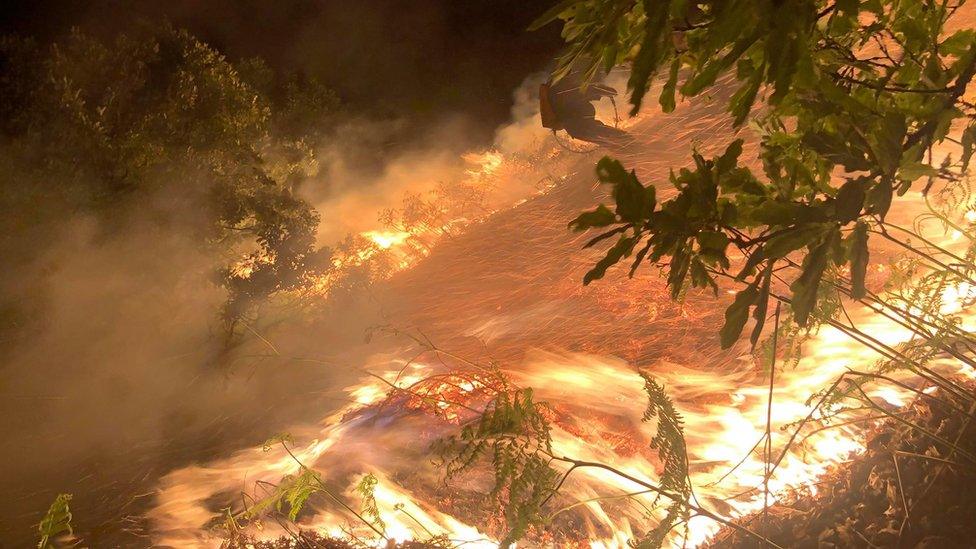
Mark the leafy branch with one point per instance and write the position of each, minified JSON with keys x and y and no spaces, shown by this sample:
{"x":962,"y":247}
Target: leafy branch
{"x":56,"y":521}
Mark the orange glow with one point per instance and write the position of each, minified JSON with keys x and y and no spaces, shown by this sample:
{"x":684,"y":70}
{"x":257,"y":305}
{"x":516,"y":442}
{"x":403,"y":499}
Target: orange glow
{"x":387,"y":239}
{"x":599,"y":397}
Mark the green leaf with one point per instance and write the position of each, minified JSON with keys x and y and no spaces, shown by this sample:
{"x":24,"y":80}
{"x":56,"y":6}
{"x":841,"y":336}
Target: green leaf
{"x":551,"y":14}
{"x":279,"y":438}
{"x":879,"y":198}
{"x":759,"y":314}
{"x":611,"y":171}
{"x":634,"y":202}
{"x":913,"y":171}
{"x":700,"y":278}
{"x":639,"y":257}
{"x":805,"y":287}
{"x":837,"y":150}
{"x":849,"y":201}
{"x":680,"y":263}
{"x":297,"y":490}
{"x":706,"y":77}
{"x":741,"y":103}
{"x":712,"y":241}
{"x":791,"y":240}
{"x":847,"y":7}
{"x":968,"y":142}
{"x":958,"y":43}
{"x":784,"y":44}
{"x":56,"y":521}
{"x":657,"y":35}
{"x":367,"y":492}
{"x":600,"y":217}
{"x":601,"y":237}
{"x":619,"y":250}
{"x":729,"y":158}
{"x":752,"y":261}
{"x":779,"y":213}
{"x":886,"y":142}
{"x":737,"y":314}
{"x":667,"y":92}
{"x":859,"y":259}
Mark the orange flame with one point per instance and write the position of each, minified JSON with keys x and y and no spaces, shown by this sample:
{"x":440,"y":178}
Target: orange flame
{"x":724,"y":412}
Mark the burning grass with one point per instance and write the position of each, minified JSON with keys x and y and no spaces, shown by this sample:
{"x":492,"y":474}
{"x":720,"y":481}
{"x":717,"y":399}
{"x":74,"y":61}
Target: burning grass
{"x":312,"y":540}
{"x":905,"y":490}
{"x":585,"y":352}
{"x":415,"y":397}
{"x":858,"y":503}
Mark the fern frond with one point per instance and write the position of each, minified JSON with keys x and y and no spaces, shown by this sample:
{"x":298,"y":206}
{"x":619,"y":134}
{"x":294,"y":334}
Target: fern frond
{"x":367,"y":491}
{"x":296,"y":490}
{"x":669,"y":441}
{"x":513,"y":435}
{"x":56,"y":521}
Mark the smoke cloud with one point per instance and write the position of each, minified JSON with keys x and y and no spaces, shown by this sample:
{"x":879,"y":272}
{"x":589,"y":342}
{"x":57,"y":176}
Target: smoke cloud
{"x":119,"y":373}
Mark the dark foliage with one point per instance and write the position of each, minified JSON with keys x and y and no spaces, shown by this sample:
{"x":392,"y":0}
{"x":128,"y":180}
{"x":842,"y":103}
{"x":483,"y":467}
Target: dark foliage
{"x":158,"y":127}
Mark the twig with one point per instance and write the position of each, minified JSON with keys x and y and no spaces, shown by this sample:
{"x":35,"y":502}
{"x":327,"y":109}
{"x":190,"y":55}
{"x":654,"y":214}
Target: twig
{"x":938,"y":473}
{"x":923,"y":456}
{"x":600,"y":498}
{"x":769,"y":419}
{"x":399,"y":507}
{"x":901,"y":490}
{"x":952,"y":446}
{"x":672,"y":496}
{"x":740,"y":462}
{"x":262,"y":338}
{"x":841,"y":424}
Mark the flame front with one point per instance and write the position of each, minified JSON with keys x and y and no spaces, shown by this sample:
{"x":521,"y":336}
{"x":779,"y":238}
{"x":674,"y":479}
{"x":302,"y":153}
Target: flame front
{"x":722,"y":398}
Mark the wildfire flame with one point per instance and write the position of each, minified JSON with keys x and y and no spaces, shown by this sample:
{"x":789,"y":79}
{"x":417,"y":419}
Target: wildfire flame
{"x":487,"y":163}
{"x":387,"y":239}
{"x":724,"y":408}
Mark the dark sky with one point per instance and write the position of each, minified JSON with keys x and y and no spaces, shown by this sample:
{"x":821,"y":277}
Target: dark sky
{"x":416,"y":58}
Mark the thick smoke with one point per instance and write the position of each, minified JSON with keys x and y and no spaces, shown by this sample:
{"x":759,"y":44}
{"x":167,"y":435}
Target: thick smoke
{"x":121,"y":373}
{"x":354,"y":188}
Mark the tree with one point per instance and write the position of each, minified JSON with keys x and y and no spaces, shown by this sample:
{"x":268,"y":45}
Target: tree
{"x":107,"y":128}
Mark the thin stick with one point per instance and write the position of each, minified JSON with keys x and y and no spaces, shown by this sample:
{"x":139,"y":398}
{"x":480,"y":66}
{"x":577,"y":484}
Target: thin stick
{"x":399,"y":507}
{"x":845,"y":424}
{"x":767,"y":455}
{"x":672,"y":496}
{"x":901,"y":489}
{"x":924,"y":431}
{"x":262,"y":338}
{"x":598,"y":499}
{"x":923,"y":456}
{"x":938,"y":474}
{"x":739,"y":464}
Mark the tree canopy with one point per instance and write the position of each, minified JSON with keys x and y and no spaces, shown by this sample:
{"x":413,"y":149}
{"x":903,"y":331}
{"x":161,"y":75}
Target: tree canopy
{"x":158,"y":125}
{"x":855,"y":98}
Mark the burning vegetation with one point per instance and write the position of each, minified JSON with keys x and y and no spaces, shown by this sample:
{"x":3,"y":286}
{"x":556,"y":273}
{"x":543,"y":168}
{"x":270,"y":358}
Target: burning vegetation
{"x":789,"y":361}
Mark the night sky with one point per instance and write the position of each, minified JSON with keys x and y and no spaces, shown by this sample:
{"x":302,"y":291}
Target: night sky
{"x":419,"y":59}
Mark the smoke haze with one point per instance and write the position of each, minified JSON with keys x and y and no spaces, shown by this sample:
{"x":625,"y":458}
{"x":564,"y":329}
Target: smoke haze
{"x":120,"y":375}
